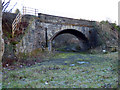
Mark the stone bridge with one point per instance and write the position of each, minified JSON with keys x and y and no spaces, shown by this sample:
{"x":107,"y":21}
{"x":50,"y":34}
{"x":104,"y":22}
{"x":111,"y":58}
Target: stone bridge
{"x":45,"y":28}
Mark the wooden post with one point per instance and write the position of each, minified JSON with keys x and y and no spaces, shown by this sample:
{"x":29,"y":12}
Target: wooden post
{"x":23,"y":10}
{"x":35,"y":12}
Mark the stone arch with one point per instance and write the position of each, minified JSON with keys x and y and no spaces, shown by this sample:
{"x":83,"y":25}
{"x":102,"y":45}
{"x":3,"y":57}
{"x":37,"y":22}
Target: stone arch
{"x":84,"y":42}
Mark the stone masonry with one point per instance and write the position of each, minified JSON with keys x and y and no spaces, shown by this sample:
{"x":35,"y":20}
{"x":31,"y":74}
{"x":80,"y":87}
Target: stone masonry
{"x":43,"y":29}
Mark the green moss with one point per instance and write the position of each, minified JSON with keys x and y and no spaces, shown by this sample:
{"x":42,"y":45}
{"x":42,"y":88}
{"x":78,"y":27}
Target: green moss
{"x":104,"y":22}
{"x":116,"y":27}
{"x":35,"y":52}
{"x":63,"y":55}
{"x":31,"y":55}
{"x":22,"y":56}
{"x":14,"y":42}
{"x":26,"y":31}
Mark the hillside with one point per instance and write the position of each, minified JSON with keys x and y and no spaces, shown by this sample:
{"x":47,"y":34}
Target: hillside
{"x":107,"y":32}
{"x":108,"y":35}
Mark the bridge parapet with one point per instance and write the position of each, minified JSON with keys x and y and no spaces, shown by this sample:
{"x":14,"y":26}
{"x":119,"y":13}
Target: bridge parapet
{"x":64,"y":20}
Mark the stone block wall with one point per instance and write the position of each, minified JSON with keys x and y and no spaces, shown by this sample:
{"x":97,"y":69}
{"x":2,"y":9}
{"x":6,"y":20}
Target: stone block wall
{"x":33,"y":38}
{"x":64,"y":20}
{"x":35,"y":35}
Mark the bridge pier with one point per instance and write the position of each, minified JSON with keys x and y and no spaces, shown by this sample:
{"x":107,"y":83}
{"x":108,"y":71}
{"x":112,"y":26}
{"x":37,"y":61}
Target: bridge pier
{"x":84,"y":45}
{"x":50,"y":46}
{"x":46,"y":38}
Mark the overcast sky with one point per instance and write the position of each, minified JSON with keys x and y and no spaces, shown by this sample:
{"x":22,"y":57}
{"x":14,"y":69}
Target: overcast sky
{"x":97,"y":10}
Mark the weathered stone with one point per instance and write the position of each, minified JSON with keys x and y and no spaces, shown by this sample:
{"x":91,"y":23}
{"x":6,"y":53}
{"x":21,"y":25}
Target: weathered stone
{"x":46,"y":28}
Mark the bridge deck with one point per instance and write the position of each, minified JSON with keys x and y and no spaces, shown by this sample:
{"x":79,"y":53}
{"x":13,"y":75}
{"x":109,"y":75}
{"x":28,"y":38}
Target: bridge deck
{"x":64,"y":20}
{"x":45,"y":21}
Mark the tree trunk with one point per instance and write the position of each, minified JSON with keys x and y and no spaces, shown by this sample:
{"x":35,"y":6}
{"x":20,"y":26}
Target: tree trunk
{"x":1,"y":40}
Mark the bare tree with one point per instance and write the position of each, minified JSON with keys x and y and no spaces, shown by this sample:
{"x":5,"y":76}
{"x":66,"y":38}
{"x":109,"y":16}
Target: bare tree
{"x":1,"y":39}
{"x":5,"y":6}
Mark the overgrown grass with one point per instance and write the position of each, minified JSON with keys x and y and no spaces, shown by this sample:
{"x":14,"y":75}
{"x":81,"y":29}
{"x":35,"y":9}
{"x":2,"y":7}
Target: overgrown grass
{"x":99,"y":73}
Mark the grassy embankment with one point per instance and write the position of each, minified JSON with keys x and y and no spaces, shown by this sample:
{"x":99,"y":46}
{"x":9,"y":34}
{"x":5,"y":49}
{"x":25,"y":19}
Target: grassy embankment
{"x":63,"y":70}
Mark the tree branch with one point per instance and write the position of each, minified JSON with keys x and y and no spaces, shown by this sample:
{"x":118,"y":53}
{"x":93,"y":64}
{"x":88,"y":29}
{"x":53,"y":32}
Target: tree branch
{"x":5,"y":5}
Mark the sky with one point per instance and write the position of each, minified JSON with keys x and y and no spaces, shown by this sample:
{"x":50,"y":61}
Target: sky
{"x":96,"y":10}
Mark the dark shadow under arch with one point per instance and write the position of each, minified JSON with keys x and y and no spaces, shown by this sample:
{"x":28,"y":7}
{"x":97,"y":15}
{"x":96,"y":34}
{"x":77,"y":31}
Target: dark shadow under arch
{"x":84,"y":42}
{"x":74,"y":32}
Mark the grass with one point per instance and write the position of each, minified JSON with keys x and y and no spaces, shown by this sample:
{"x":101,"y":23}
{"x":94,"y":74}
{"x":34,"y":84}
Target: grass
{"x":63,"y":55}
{"x":101,"y":72}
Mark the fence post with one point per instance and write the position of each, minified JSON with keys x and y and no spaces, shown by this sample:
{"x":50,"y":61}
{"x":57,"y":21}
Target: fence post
{"x":35,"y":12}
{"x":23,"y":10}
{"x":30,"y":11}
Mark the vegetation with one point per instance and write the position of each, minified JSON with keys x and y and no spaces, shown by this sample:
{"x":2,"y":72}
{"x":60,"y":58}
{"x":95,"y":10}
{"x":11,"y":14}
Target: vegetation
{"x":40,"y":69}
{"x":104,"y":22}
{"x":17,"y":11}
{"x":99,"y":72}
{"x":114,"y":25}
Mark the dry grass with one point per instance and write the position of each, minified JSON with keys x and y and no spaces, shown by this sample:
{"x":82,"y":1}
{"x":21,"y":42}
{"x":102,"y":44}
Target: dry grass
{"x":101,"y":72}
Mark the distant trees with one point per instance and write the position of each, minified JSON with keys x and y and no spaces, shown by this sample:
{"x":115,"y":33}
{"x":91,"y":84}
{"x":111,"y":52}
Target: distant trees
{"x":17,"y":11}
{"x":104,"y":22}
{"x":114,"y":25}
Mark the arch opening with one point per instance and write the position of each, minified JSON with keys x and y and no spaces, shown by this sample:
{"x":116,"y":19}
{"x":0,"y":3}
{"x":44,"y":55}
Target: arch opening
{"x":83,"y":41}
{"x":66,"y":42}
{"x":74,"y":32}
